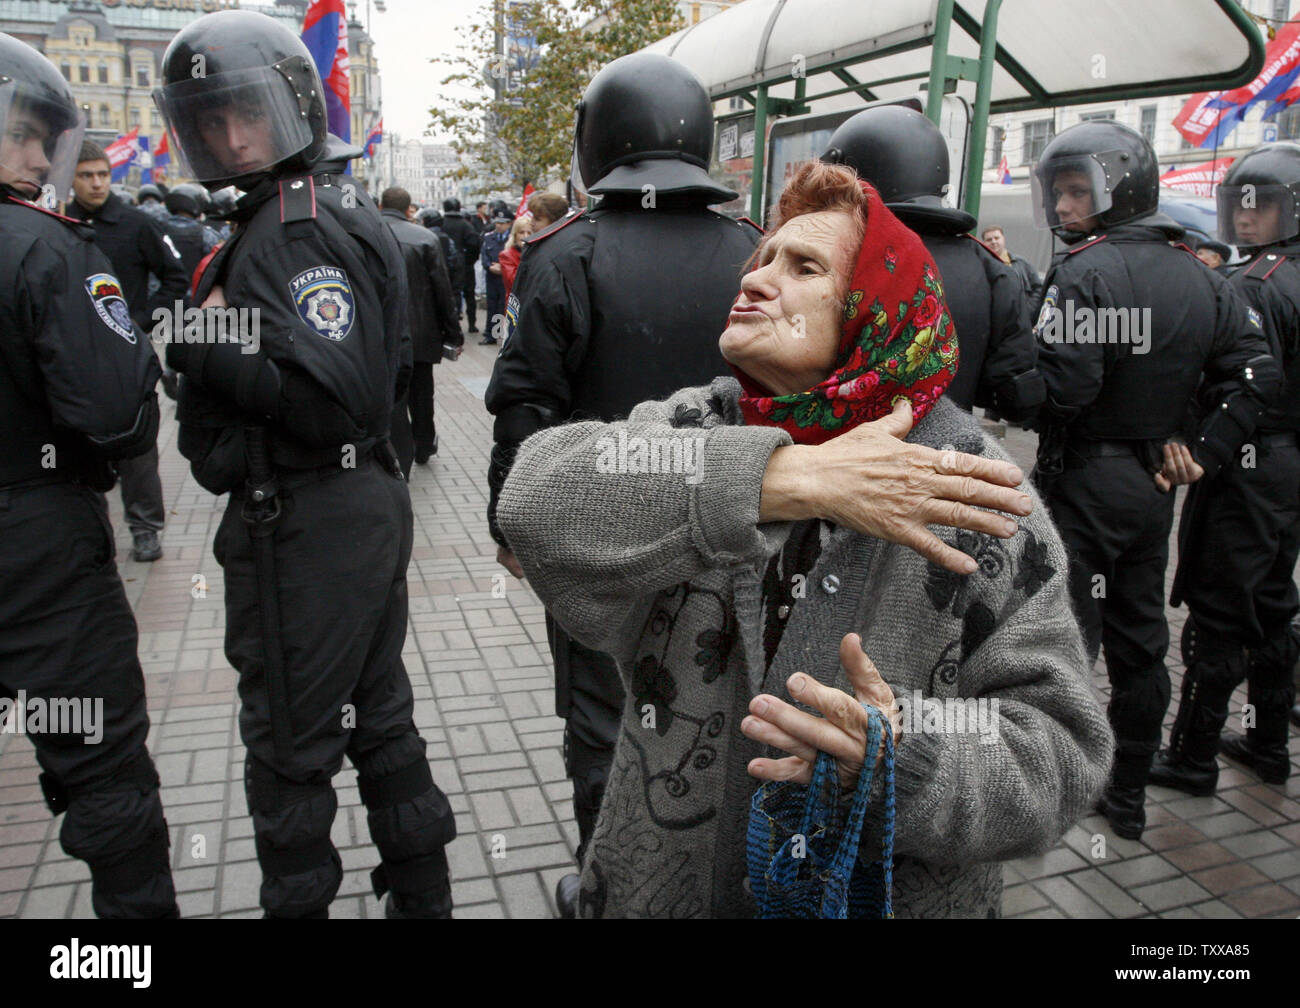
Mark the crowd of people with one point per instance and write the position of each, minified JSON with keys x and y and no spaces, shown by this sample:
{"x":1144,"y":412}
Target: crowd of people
{"x":739,"y":465}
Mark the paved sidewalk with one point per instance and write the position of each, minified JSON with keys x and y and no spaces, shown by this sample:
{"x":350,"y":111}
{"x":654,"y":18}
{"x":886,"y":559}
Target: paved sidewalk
{"x":477,"y":657}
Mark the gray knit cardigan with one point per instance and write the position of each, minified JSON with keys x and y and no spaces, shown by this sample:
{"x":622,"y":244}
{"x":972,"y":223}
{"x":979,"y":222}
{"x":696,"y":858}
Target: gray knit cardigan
{"x":663,"y":570}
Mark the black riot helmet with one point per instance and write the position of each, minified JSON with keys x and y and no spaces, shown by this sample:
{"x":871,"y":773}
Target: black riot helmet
{"x":223,"y":202}
{"x":451,"y":205}
{"x":40,"y":125}
{"x":1107,"y":166}
{"x":897,"y":150}
{"x":645,"y":120}
{"x":148,"y":191}
{"x":241,"y":96}
{"x":188,"y":198}
{"x":429,"y":217}
{"x":1259,"y":200}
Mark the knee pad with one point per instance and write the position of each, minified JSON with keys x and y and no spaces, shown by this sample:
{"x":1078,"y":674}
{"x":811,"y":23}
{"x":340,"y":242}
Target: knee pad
{"x":410,"y":818}
{"x":117,"y":827}
{"x":291,"y":821}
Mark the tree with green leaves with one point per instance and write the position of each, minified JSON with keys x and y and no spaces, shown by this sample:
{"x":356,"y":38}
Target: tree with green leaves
{"x":517,"y":127}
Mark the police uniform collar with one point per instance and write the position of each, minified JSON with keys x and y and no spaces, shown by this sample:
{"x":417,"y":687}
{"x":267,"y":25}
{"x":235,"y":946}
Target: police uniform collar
{"x":110,"y":211}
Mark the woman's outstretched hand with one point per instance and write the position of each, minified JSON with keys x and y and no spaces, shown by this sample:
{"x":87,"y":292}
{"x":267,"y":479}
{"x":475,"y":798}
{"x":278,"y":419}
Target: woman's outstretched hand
{"x":872,"y":481}
{"x":841,"y":731}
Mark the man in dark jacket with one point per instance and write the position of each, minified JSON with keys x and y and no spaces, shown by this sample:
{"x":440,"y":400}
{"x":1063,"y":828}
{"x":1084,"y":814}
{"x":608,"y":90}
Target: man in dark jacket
{"x":1130,"y":326}
{"x":292,"y":419}
{"x":590,"y":333}
{"x":76,"y":391}
{"x":995,"y":239}
{"x":433,"y":325}
{"x":137,"y":246}
{"x":468,"y":239}
{"x":494,"y":243}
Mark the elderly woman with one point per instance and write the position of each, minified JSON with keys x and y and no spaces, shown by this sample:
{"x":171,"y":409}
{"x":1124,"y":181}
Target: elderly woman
{"x":742,"y":549}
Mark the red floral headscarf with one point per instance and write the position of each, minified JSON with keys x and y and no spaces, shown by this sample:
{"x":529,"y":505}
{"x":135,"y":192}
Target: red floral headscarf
{"x":897,"y":341}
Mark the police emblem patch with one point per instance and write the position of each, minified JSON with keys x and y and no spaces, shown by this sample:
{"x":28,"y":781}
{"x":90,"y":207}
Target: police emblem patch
{"x":512,"y":317}
{"x":1049,"y":305}
{"x":323,"y":298}
{"x":106,"y":295}
{"x":1256,"y":319}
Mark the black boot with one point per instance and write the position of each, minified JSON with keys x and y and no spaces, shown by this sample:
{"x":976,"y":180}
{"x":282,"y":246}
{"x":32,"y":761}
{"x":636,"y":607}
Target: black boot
{"x":1124,"y":803}
{"x":1271,"y":694}
{"x":1188,"y":764}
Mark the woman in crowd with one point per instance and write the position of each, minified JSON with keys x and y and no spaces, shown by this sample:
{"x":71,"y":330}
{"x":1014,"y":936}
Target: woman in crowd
{"x":765,"y":555}
{"x":509,"y":258}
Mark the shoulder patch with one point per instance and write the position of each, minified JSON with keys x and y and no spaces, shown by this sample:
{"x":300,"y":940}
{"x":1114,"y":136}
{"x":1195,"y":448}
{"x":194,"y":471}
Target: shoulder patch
{"x":1255,"y":318}
{"x":1045,"y":312}
{"x":323,"y":298}
{"x":106,"y":295}
{"x":1086,"y":245}
{"x":512,"y":317}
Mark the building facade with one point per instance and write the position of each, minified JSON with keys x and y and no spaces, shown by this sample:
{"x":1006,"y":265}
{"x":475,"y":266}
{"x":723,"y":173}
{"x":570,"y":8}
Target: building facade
{"x":110,"y":52}
{"x":1021,"y":136}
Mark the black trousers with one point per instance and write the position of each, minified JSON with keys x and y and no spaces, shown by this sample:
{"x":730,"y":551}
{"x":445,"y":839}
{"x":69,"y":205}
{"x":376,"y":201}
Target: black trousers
{"x":589,"y":696}
{"x":1241,"y":544}
{"x":68,"y":638}
{"x":142,"y":495}
{"x":341,"y":552}
{"x":420,"y":395}
{"x":467,"y":293}
{"x":1115,"y":526}
{"x":495,"y":324}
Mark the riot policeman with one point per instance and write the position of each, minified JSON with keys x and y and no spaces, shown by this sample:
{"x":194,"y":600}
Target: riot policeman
{"x":1129,"y":325}
{"x":293,"y":420}
{"x":590,"y":334}
{"x":77,"y":390}
{"x":903,"y":154}
{"x":186,"y":205}
{"x":152,"y":200}
{"x":1240,"y":532}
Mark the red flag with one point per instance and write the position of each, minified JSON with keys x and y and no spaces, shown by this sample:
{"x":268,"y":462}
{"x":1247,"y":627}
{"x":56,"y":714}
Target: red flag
{"x":523,"y":203}
{"x":123,"y":149}
{"x":1281,"y":59}
{"x":1200,"y":121}
{"x":1004,"y":172}
{"x":1199,"y":180}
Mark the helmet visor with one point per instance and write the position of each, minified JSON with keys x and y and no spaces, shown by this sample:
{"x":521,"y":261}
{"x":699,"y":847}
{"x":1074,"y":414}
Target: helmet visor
{"x":1254,"y":215}
{"x":233,"y":124}
{"x":1071,"y":189}
{"x":575,"y":165}
{"x":39,"y":144}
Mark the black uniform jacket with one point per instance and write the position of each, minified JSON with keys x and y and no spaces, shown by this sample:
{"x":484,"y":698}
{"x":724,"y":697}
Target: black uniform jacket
{"x":323,"y":274}
{"x":75,"y":374}
{"x":1270,"y":283}
{"x":467,"y":236}
{"x":137,"y":245}
{"x":1128,"y":325}
{"x":431,"y":312}
{"x":611,"y":308}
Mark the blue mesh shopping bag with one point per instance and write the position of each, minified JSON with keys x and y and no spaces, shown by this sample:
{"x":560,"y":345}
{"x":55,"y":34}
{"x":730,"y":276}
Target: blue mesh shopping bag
{"x":803,"y":851}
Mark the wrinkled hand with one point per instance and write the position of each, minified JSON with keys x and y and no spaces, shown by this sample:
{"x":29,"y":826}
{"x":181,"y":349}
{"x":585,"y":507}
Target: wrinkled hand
{"x":870,"y":480}
{"x":842,"y":731}
{"x":1179,"y":469}
{"x":510,"y":562}
{"x":216,"y":298}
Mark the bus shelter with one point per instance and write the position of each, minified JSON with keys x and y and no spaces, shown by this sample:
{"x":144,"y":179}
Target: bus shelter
{"x":771,"y":60}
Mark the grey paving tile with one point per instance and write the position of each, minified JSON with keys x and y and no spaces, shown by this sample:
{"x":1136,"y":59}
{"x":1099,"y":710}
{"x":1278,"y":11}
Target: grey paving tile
{"x":1166,"y":895}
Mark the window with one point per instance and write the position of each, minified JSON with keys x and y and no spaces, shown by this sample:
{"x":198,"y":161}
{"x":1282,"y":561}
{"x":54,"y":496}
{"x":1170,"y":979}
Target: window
{"x":997,"y":136}
{"x":66,"y":67}
{"x":1281,"y":10}
{"x":103,"y":73}
{"x":105,"y":116}
{"x":142,"y":75}
{"x":1148,"y":124}
{"x":1094,"y":116}
{"x":135,"y":118}
{"x":85,"y":73}
{"x":1288,"y":123}
{"x":1037,"y":133}
{"x":155,"y":121}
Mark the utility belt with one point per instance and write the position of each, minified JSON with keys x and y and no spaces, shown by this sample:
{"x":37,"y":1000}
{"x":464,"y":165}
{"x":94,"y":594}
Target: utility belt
{"x":1149,"y":452}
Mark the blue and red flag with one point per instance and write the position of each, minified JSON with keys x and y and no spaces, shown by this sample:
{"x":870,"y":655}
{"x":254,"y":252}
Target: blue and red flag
{"x":162,"y":156}
{"x":373,"y":139}
{"x":325,"y":33}
{"x":122,"y":153}
{"x":1004,"y":172}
